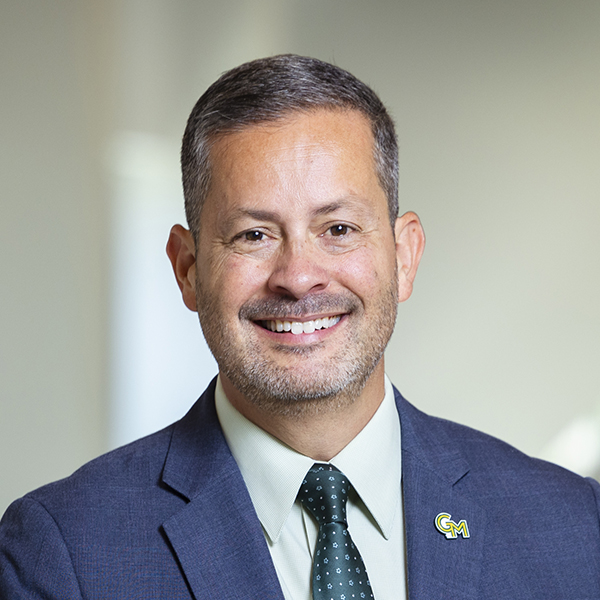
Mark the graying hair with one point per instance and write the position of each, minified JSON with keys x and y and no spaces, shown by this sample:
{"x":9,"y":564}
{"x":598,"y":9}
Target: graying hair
{"x":267,"y":90}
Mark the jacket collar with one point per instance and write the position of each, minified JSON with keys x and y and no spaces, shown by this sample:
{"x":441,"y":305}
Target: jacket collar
{"x":426,"y":439}
{"x":217,"y":536}
{"x":433,"y":471}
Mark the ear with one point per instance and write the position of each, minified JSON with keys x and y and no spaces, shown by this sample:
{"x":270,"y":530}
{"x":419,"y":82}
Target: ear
{"x":410,"y":243}
{"x":181,"y":251}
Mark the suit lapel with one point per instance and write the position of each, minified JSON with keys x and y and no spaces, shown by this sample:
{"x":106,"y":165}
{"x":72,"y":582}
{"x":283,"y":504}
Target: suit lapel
{"x":217,"y":536}
{"x":432,"y":472}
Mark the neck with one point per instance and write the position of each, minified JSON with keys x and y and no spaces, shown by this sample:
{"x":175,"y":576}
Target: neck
{"x":319,"y":434}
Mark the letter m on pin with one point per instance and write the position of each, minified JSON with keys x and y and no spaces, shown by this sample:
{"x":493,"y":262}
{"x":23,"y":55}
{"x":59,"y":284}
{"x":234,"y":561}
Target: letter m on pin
{"x":449,"y":528}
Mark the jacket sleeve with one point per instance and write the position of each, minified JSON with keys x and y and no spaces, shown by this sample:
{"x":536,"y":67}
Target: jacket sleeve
{"x":34,"y":561}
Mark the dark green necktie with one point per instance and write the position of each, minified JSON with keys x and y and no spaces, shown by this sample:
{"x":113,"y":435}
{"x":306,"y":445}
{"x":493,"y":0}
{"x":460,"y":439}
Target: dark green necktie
{"x":338,"y":570}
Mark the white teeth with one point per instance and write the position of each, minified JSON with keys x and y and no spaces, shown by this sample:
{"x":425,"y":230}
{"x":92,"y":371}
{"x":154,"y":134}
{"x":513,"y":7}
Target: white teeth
{"x":334,"y":320}
{"x":309,"y":327}
{"x":298,"y":327}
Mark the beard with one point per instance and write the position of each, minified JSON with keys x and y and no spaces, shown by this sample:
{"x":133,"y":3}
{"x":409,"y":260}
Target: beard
{"x":306,"y":384}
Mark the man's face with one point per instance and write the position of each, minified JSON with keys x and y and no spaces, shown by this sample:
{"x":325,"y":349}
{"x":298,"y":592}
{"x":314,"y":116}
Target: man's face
{"x":296,"y":276}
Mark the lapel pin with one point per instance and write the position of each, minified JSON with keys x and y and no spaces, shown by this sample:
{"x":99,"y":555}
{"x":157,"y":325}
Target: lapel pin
{"x":449,"y":528}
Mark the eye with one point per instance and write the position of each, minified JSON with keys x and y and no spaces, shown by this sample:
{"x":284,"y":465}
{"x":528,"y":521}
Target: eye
{"x":254,"y":236}
{"x":338,"y":230}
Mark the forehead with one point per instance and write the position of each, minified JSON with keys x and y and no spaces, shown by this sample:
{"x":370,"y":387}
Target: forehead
{"x":316,"y":153}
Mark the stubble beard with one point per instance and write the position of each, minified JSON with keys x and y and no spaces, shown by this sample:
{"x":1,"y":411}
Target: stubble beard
{"x":291,"y":390}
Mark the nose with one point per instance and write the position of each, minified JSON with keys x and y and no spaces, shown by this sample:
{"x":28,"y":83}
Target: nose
{"x":298,"y":270}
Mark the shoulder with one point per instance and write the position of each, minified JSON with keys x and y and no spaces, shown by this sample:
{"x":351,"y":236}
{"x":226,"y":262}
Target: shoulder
{"x":497,"y":459}
{"x":134,"y":466}
{"x":105,"y":516}
{"x":486,"y":453}
{"x":48,"y":526}
{"x":98,"y":502}
{"x":491,"y":468}
{"x":133,"y":471}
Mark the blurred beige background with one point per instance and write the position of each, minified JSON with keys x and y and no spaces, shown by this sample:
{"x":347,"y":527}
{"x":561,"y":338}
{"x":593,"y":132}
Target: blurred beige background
{"x":498,"y":113}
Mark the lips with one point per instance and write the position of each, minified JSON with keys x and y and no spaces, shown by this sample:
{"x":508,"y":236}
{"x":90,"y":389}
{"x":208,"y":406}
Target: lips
{"x":299,"y":327}
{"x":315,"y":312}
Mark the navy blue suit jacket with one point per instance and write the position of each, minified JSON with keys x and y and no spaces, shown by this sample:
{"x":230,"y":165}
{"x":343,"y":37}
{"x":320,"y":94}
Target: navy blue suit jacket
{"x":169,"y":517}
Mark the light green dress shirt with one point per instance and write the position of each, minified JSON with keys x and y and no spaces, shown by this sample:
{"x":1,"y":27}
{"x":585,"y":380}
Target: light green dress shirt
{"x":273,"y":473}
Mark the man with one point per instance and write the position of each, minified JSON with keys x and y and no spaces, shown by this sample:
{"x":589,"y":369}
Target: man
{"x":301,"y":472}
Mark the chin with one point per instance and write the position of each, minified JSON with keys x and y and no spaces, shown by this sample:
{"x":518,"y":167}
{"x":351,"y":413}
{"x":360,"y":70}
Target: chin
{"x":296,"y":391}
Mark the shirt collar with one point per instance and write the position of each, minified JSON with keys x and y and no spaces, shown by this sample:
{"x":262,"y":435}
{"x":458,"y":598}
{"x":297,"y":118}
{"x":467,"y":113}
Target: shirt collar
{"x":273,"y":472}
{"x":372,"y":462}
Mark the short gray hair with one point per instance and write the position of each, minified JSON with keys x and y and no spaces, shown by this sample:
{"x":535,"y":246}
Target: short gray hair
{"x":267,"y":90}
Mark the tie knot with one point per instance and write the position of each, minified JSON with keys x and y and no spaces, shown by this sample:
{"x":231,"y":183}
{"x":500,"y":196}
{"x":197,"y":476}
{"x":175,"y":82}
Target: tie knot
{"x":324,"y":493}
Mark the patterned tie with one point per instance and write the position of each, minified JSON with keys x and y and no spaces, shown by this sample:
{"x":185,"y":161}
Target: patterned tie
{"x":338,"y":569}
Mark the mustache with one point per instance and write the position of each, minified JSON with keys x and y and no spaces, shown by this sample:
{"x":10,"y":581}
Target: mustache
{"x":281,"y":307}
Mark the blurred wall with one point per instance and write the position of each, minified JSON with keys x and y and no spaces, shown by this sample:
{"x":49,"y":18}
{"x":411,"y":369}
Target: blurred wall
{"x":54,"y":85}
{"x":497,"y":106}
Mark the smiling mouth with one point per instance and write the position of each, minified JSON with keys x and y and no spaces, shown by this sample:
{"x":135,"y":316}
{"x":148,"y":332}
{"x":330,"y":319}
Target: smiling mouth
{"x":298,"y":327}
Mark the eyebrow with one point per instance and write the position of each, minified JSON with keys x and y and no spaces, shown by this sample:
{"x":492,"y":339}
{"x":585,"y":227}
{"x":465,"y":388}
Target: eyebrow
{"x":231,"y":219}
{"x":268,"y":215}
{"x":331,"y":207}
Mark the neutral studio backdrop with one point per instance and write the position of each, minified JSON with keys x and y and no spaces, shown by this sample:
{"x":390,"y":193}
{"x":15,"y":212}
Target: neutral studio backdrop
{"x":498,"y":112}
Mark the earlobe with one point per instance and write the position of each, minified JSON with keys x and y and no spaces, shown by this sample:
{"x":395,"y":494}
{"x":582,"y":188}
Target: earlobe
{"x":410,"y":243}
{"x":181,"y":251}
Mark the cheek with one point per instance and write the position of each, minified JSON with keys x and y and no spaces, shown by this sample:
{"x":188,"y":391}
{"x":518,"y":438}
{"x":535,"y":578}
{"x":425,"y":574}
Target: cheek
{"x":364,"y":272}
{"x":236,"y":278}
